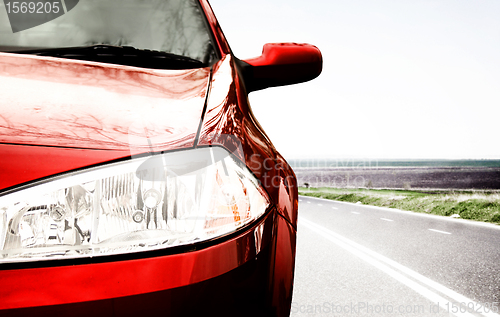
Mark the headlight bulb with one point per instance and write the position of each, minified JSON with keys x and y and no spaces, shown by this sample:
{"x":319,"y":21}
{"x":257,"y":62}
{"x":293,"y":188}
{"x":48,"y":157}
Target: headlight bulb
{"x":152,"y":198}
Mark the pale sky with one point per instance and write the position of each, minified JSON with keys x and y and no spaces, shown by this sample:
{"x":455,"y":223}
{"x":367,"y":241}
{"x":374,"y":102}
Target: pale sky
{"x":401,"y":78}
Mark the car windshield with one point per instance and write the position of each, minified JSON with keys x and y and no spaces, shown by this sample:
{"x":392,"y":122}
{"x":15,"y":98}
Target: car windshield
{"x":117,"y":31}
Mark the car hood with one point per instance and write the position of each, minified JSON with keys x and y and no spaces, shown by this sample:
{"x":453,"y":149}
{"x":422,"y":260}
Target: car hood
{"x":78,"y":113}
{"x":68,"y":103}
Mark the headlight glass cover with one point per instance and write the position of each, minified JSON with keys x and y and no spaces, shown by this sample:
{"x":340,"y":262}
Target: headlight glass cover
{"x":143,"y":204}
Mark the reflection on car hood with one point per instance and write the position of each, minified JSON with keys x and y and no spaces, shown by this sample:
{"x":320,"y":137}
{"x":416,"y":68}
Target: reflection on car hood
{"x":75,"y":104}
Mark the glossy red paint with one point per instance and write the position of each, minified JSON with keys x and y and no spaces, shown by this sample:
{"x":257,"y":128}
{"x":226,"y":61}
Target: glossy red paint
{"x":21,"y":163}
{"x":216,"y":29}
{"x":289,"y":54}
{"x":95,"y":108}
{"x":288,"y":201}
{"x":44,"y":286}
{"x":228,"y":113}
{"x":284,"y":267}
{"x":97,"y":105}
{"x":240,"y":292}
{"x":41,"y":136}
{"x":282,"y":64}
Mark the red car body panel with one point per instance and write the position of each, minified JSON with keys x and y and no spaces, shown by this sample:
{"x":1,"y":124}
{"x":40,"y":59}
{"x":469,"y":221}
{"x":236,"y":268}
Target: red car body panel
{"x":98,"y":105}
{"x":228,"y":113}
{"x":95,"y":108}
{"x":31,"y":287}
{"x":94,"y":120}
{"x":21,"y":163}
{"x":220,"y":39}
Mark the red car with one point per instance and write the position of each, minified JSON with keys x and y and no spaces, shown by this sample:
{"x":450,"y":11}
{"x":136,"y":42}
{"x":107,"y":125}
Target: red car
{"x":134,"y":178}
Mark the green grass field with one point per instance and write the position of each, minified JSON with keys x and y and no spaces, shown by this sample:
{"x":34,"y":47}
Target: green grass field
{"x":474,"y":205}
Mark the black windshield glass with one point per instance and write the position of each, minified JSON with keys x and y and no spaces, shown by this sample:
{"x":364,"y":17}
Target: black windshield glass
{"x":171,"y":26}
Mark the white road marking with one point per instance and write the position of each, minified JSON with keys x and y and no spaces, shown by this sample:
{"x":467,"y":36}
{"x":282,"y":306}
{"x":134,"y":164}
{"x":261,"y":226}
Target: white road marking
{"x":356,"y":213}
{"x":440,"y":231}
{"x":308,"y":202}
{"x":334,"y":208}
{"x":385,"y":219}
{"x":399,"y":272}
{"x":320,"y":204}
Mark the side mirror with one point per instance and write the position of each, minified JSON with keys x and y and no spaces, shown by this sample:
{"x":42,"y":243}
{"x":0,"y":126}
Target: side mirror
{"x":281,"y":64}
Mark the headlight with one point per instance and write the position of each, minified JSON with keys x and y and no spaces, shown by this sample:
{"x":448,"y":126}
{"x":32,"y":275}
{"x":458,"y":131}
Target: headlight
{"x":143,"y":204}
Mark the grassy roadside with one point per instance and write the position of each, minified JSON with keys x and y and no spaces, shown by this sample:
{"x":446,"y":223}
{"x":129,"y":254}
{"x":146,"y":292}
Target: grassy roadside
{"x":473,"y":205}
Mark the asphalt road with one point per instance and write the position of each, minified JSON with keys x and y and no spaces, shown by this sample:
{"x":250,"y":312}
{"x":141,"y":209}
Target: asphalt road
{"x":357,"y":260}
